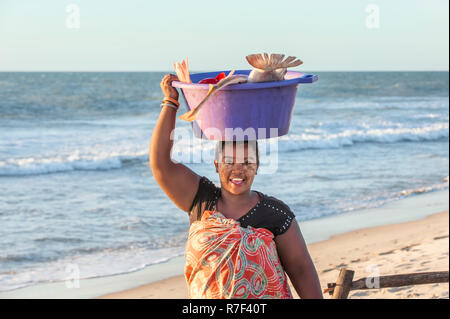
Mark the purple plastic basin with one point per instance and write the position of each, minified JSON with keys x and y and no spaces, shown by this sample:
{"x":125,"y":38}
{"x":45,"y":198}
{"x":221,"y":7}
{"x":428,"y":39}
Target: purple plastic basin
{"x":243,"y":111}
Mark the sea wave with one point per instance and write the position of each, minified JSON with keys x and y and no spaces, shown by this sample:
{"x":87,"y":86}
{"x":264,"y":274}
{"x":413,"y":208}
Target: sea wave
{"x":57,"y":164}
{"x":349,"y":204}
{"x":424,"y":189}
{"x":350,"y":137}
{"x":190,"y":150}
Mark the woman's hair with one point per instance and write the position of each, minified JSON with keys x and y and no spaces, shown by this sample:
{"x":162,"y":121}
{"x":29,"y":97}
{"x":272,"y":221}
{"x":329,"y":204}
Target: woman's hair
{"x":221,"y":144}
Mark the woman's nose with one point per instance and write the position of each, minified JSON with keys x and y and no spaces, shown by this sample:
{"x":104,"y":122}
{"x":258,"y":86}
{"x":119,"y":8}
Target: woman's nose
{"x":238,"y":166}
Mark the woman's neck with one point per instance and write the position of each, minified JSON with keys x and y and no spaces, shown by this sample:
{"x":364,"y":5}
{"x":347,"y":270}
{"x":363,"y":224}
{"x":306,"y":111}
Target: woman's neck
{"x":239,"y":200}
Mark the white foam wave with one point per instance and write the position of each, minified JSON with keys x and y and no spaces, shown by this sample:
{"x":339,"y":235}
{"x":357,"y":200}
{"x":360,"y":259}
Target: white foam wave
{"x":72,"y":162}
{"x":190,"y":150}
{"x":425,"y":189}
{"x":431,"y":116}
{"x":349,"y":137}
{"x":345,"y":205}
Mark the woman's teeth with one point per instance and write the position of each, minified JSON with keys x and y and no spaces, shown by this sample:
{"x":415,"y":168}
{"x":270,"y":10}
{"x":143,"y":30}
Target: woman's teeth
{"x":237,"y":181}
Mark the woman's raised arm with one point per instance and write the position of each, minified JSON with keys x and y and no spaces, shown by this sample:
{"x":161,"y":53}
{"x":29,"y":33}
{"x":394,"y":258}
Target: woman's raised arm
{"x":176,"y":180}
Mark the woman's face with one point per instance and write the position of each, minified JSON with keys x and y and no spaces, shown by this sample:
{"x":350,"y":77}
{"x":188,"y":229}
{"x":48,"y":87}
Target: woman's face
{"x":237,"y":168}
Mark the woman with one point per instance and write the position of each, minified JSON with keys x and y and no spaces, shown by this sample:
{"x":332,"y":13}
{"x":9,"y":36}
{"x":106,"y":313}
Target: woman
{"x":241,"y":242}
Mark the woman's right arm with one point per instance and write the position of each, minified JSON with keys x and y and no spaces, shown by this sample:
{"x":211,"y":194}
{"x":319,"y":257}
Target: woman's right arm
{"x":176,"y":180}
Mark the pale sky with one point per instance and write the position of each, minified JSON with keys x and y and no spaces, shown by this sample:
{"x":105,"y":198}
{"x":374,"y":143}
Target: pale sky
{"x":145,"y":35}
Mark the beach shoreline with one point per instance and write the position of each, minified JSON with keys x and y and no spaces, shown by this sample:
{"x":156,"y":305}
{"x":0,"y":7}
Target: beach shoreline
{"x":329,"y":240}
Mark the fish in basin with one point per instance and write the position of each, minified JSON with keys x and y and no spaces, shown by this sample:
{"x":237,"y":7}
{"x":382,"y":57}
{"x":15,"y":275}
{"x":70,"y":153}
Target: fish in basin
{"x":270,"y":68}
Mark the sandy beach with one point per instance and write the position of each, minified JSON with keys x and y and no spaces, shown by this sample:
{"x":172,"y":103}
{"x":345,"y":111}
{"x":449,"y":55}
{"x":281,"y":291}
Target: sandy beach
{"x":417,"y":246}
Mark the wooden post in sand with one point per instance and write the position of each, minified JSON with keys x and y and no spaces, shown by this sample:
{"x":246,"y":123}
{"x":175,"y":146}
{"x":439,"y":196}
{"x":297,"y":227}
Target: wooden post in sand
{"x":343,"y":284}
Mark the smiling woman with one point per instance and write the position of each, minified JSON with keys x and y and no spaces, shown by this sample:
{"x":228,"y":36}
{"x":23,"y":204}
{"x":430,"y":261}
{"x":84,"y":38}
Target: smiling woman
{"x":237,"y":163}
{"x":241,"y":243}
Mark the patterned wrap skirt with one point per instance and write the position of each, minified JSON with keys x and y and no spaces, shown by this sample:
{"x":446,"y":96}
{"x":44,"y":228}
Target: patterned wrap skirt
{"x":225,"y":260}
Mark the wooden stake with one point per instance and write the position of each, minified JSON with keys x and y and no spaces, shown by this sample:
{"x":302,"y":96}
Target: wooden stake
{"x":343,"y":284}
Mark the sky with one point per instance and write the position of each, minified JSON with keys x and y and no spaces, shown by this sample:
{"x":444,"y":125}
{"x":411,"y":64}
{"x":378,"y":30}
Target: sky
{"x":143,"y":35}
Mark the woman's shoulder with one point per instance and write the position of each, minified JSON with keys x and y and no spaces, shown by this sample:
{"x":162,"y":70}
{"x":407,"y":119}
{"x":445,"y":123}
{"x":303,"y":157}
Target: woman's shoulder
{"x":270,"y":213}
{"x":275,"y":204}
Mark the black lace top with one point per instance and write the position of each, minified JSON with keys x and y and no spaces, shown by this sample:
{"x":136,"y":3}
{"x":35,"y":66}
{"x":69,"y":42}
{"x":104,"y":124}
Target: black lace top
{"x":269,"y":212}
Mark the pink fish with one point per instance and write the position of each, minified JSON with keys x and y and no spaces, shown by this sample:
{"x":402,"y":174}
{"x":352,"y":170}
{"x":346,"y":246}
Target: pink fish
{"x":268,"y":69}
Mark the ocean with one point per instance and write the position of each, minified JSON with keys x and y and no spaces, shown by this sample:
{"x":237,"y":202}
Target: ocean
{"x":76,"y":189}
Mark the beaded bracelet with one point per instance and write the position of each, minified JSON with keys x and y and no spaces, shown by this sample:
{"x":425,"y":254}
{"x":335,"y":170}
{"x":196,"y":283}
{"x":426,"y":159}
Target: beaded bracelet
{"x":169,"y":105}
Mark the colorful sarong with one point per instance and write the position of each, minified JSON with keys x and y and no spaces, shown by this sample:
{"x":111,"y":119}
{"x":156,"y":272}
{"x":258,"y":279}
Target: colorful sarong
{"x":225,"y":260}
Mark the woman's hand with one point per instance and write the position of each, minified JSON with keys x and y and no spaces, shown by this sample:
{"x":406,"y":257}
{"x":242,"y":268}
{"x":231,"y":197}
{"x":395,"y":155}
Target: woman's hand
{"x":167,"y":88}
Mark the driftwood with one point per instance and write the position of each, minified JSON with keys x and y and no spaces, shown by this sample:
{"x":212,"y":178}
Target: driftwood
{"x":344,"y":284}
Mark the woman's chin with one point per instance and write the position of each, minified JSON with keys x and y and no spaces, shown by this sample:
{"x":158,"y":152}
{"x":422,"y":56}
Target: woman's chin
{"x":237,"y":188}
